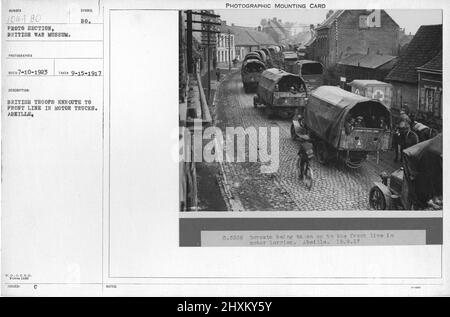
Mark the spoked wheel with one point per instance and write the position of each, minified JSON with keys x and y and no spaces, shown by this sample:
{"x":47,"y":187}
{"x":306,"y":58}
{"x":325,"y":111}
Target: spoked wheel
{"x":377,"y":200}
{"x":322,"y":153}
{"x":308,"y":178}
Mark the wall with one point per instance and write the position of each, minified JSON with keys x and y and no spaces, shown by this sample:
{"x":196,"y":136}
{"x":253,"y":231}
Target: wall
{"x":222,"y":47}
{"x":353,"y":39}
{"x":404,"y":93}
{"x":430,"y":99}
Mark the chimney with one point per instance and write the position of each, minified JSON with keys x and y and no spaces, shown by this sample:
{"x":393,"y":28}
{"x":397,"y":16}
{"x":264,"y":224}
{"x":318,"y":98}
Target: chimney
{"x":330,"y":12}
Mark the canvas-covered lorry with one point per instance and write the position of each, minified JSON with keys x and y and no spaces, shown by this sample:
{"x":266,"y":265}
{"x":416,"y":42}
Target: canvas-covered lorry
{"x":311,"y":72}
{"x":373,"y":89}
{"x":346,"y":126}
{"x":251,"y":72}
{"x":280,"y":93}
{"x":417,"y":184}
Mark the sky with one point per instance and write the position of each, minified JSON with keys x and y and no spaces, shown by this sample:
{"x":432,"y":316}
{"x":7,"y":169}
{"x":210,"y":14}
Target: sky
{"x":411,"y":20}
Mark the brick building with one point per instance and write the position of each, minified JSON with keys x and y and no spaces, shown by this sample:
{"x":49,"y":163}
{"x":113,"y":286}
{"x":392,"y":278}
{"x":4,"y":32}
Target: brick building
{"x":347,"y":32}
{"x":404,"y":77}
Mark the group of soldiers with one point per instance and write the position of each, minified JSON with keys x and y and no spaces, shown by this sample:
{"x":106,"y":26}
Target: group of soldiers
{"x":359,"y":122}
{"x":409,"y":132}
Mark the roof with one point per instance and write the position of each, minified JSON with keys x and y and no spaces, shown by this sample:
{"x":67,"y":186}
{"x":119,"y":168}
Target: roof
{"x":367,"y":82}
{"x":310,"y":41}
{"x":261,"y":37}
{"x":244,"y":36}
{"x":336,"y":14}
{"x":366,"y":60}
{"x":329,"y":21}
{"x":435,"y":64}
{"x":277,"y":27}
{"x":425,"y":45}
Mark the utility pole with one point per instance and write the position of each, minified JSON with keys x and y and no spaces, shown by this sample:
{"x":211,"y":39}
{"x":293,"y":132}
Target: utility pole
{"x":205,"y":23}
{"x":190,"y":62}
{"x":229,"y":50}
{"x":209,"y":62}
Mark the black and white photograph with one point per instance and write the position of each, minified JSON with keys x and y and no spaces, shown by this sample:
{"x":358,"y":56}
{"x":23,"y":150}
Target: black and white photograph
{"x":312,"y":110}
{"x":261,"y":149}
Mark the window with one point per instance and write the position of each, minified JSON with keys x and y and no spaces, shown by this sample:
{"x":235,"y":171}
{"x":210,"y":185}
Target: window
{"x":429,"y":99}
{"x":363,"y":22}
{"x":438,"y":104}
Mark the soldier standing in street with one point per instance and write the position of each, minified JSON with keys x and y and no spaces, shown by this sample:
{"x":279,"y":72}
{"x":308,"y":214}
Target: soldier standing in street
{"x":218,"y":73}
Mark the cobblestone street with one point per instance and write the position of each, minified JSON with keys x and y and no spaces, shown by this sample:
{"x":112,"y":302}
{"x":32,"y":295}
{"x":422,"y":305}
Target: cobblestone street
{"x":246,"y":188}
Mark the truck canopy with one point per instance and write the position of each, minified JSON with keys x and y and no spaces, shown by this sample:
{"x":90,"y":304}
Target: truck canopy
{"x":423,"y":169}
{"x":253,"y":65}
{"x":275,"y":48}
{"x":290,"y":56}
{"x":329,"y":107}
{"x":364,"y":83}
{"x":274,"y":76}
{"x":262,"y":54}
{"x":253,"y":55}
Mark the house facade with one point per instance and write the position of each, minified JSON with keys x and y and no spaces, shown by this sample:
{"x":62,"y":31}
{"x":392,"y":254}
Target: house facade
{"x":226,"y":50}
{"x":347,"y":32}
{"x":430,"y":92}
{"x":404,"y":77}
{"x":250,"y":39}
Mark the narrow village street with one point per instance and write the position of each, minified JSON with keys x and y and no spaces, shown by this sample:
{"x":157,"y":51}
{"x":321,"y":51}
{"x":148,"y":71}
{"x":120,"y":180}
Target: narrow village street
{"x":365,"y":82}
{"x":245,"y":187}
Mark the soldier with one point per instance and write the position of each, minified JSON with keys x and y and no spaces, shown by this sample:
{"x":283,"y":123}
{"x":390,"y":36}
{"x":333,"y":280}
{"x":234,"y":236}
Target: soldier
{"x":382,"y":124}
{"x":305,"y":153}
{"x":404,"y":139}
{"x":218,"y":73}
{"x":411,"y":137}
{"x":360,"y":122}
{"x":404,"y":117}
{"x":349,"y":125}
